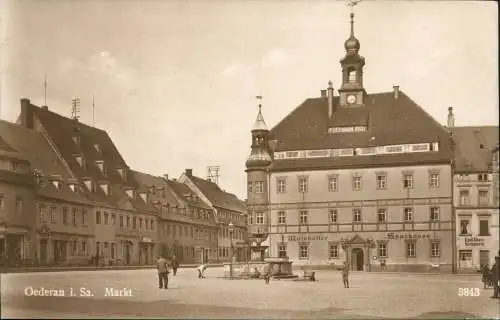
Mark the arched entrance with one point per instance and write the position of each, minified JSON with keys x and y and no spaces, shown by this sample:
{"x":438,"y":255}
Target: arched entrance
{"x":357,"y":259}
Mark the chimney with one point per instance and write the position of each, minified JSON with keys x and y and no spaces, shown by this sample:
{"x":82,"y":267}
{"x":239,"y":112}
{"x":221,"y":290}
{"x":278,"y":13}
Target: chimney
{"x":330,"y":99}
{"x":396,"y":92}
{"x":451,"y":119}
{"x":45,"y":108}
{"x":165,"y":176}
{"x":26,"y":114}
{"x":323,"y":93}
{"x":189,"y":172}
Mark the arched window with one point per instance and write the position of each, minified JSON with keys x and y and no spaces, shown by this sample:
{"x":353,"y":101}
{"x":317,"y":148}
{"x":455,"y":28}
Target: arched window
{"x":352,"y":75}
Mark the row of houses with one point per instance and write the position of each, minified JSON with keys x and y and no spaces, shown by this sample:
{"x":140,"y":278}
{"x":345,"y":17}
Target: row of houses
{"x":68,"y":197}
{"x":373,"y":179}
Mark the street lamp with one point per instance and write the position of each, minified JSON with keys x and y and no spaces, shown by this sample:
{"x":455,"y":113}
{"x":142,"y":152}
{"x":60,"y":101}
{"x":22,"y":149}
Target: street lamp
{"x":231,"y":230}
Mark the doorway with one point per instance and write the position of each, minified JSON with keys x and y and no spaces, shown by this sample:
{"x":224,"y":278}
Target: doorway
{"x":43,"y":251}
{"x":357,"y":259}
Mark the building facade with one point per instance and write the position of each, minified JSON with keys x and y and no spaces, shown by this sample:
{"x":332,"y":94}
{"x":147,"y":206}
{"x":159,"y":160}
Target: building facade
{"x":229,"y":215}
{"x":475,"y":196}
{"x":358,"y":177}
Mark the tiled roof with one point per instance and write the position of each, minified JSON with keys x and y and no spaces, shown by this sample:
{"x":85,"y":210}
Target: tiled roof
{"x":473,"y":148}
{"x":182,"y":190}
{"x":62,"y":130}
{"x":6,"y":151}
{"x":148,"y":181}
{"x":390,"y":122}
{"x":41,"y":156}
{"x":217,"y":196}
{"x":17,"y":178}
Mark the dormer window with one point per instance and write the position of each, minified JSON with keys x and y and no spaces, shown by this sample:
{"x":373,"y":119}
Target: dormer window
{"x":352,"y":76}
{"x":143,"y":196}
{"x":130,"y":193}
{"x":97,"y":148}
{"x":57,"y":184}
{"x":72,"y":186}
{"x":80,"y":160}
{"x":100,"y":165}
{"x":88,"y":184}
{"x":121,"y":172}
{"x":14,"y":165}
{"x":76,"y":140}
{"x":105,"y":188}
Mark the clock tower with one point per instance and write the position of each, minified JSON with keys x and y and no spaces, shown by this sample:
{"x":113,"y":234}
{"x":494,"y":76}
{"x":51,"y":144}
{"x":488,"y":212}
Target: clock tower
{"x":352,"y":93}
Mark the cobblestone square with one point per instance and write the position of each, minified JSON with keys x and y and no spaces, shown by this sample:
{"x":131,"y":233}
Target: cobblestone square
{"x":372,"y":295}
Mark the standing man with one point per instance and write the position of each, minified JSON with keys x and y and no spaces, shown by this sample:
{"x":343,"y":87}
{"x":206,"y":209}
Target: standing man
{"x":495,"y":275}
{"x":201,"y":271}
{"x":161,"y":265}
{"x":175,"y":264}
{"x":345,"y":274}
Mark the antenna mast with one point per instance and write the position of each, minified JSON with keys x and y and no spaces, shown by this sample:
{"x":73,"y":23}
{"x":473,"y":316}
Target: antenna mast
{"x":213,"y":174}
{"x":45,"y":88}
{"x":93,"y":112}
{"x":75,"y":108}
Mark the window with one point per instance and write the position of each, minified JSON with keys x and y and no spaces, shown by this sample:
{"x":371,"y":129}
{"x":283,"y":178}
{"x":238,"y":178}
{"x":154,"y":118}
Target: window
{"x":464,"y":198}
{"x":249,"y":186}
{"x":73,"y":216}
{"x":332,"y":184}
{"x":381,"y":181}
{"x":84,"y":247}
{"x":434,"y":216}
{"x":113,"y":219}
{"x":356,"y":183}
{"x":332,"y":215}
{"x":484,"y":228}
{"x":356,"y":215}
{"x":128,"y":222}
{"x":410,"y":249}
{"x":382,"y":250}
{"x":106,"y":215}
{"x":434,"y":180}
{"x":140,"y":223}
{"x":302,"y":184}
{"x":465,"y":255}
{"x":98,"y":217}
{"x":1,"y":201}
{"x":259,"y":217}
{"x":408,"y":214}
{"x":482,"y":177}
{"x":84,"y":217}
{"x":303,"y":251}
{"x":134,"y":223}
{"x":408,"y":181}
{"x":259,"y":187}
{"x":280,"y":185}
{"x":483,"y":198}
{"x":14,"y":165}
{"x":75,"y":247}
{"x":464,"y":227}
{"x":121,"y":221}
{"x":282,"y":250}
{"x":19,"y":205}
{"x":352,"y":76}
{"x":484,"y":257}
{"x":303,"y":217}
{"x":44,"y":218}
{"x":435,"y":249}
{"x":381,"y":215}
{"x":53,"y":214}
{"x":281,"y":217}
{"x":250,"y":218}
{"x":65,"y":212}
{"x":333,"y":251}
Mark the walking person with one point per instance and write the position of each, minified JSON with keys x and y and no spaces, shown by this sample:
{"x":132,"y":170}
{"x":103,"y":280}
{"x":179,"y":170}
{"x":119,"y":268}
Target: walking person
{"x":175,"y":264}
{"x":485,"y":275}
{"x":161,"y":265}
{"x":345,"y":274}
{"x":495,"y":274}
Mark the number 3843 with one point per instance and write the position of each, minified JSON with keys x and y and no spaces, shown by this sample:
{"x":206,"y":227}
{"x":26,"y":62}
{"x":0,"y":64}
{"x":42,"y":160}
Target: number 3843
{"x":469,"y":292}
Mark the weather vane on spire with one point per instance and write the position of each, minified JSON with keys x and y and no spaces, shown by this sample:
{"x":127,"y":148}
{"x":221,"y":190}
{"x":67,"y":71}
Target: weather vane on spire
{"x":259,"y":99}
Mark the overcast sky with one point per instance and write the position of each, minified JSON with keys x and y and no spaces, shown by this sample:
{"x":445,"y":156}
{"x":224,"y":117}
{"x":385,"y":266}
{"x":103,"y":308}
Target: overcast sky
{"x":175,"y":81}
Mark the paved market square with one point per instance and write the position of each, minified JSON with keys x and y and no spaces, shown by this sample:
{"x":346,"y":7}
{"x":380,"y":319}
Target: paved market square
{"x":372,"y":295}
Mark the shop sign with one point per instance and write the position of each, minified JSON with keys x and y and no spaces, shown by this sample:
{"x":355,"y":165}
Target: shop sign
{"x":394,"y":235}
{"x":307,"y":238}
{"x":474,"y":242}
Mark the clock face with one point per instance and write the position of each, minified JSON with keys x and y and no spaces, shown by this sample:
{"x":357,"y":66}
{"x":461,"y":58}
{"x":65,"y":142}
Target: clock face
{"x":351,"y":98}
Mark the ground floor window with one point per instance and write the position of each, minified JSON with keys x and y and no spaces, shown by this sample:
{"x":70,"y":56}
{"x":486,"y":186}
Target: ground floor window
{"x":304,"y":251}
{"x":465,"y":255}
{"x":435,"y":249}
{"x":382,"y":250}
{"x":333,"y":251}
{"x":411,"y":251}
{"x":282,"y":250}
{"x":484,"y":257}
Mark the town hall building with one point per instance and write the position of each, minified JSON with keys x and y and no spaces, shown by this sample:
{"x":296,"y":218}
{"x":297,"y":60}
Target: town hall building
{"x":353,"y":176}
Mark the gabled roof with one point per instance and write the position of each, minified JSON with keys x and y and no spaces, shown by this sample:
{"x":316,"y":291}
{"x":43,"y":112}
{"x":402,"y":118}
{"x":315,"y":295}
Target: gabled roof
{"x":473,"y":148}
{"x":32,"y":145}
{"x":182,"y":190}
{"x":217,"y":196}
{"x":62,"y":130}
{"x":389,"y":121}
{"x":6,"y":151}
{"x":149,"y":181}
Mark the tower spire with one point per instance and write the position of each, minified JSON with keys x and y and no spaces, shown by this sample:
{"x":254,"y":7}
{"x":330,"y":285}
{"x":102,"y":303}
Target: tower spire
{"x":352,"y":23}
{"x":260,"y":124}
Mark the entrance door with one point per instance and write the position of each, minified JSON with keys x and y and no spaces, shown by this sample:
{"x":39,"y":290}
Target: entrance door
{"x":127,"y":253}
{"x":43,"y":251}
{"x":484,"y":257}
{"x":357,"y":259}
{"x":3,"y":259}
